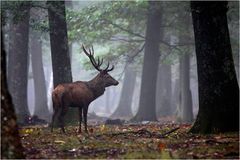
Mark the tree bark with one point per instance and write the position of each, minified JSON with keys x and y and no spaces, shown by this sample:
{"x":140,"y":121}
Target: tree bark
{"x":124,"y":109}
{"x":59,"y":43}
{"x":218,"y":87}
{"x":147,"y":104}
{"x":18,"y":62}
{"x":41,"y":108}
{"x":11,"y":147}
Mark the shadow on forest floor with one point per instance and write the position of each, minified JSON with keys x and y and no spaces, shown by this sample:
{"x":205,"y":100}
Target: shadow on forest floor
{"x":128,"y":141}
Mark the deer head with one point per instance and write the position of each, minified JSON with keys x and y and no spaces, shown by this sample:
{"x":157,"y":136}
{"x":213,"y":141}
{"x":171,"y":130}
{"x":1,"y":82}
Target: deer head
{"x":103,"y":77}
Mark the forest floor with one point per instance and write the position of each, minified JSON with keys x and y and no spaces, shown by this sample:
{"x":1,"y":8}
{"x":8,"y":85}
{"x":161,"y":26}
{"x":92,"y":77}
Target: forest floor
{"x":138,"y":141}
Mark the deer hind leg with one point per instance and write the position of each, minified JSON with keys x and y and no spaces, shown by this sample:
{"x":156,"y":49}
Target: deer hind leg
{"x":53,"y":117}
{"x":55,"y":113}
{"x":80,"y":118}
{"x":85,"y":110}
{"x":63,"y":111}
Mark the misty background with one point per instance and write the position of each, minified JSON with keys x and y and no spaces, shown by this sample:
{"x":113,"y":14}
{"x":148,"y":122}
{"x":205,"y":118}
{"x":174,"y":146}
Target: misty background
{"x":114,"y":29}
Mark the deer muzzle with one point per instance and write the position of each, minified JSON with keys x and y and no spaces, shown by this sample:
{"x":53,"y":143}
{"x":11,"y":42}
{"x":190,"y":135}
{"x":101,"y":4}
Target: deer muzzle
{"x":116,"y":83}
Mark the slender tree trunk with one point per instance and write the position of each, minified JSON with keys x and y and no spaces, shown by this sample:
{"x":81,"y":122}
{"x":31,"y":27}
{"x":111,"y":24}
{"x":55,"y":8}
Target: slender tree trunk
{"x":8,"y":40}
{"x":59,"y":43}
{"x":175,"y":97}
{"x":124,"y":109}
{"x":147,"y":104}
{"x":186,"y":95}
{"x":10,"y":60}
{"x":164,"y":90}
{"x":186,"y":111}
{"x":18,"y":63}
{"x":11,"y":147}
{"x":49,"y":92}
{"x":179,"y":96}
{"x":41,"y":108}
{"x":218,"y":87}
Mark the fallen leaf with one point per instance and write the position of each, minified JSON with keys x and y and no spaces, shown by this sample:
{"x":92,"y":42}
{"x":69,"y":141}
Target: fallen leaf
{"x":161,"y":146}
{"x":102,"y":127}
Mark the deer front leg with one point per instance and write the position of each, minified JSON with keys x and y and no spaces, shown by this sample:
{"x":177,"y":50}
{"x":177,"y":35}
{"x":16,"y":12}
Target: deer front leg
{"x":80,"y":119}
{"x":85,"y":110}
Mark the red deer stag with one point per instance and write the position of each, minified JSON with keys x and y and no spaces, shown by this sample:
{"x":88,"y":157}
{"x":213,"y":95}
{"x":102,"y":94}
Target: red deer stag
{"x":80,"y":94}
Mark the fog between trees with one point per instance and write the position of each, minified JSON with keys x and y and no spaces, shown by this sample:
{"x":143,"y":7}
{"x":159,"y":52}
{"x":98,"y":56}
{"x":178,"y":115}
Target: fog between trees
{"x":151,"y":45}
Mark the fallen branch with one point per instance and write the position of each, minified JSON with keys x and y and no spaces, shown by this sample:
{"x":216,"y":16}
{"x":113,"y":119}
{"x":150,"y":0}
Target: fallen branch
{"x":167,"y":133}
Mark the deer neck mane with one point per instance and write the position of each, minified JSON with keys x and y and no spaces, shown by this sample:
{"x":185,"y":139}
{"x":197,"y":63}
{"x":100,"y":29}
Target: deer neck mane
{"x":97,"y":87}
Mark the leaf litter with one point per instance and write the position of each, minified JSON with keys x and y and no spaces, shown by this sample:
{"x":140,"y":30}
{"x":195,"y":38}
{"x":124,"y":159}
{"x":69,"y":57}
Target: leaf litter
{"x":150,"y":140}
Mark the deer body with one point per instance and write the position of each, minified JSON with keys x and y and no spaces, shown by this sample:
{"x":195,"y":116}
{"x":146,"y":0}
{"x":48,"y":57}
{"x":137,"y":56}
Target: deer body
{"x":80,"y":94}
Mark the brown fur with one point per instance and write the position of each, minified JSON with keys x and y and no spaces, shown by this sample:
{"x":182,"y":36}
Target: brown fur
{"x":79,"y":94}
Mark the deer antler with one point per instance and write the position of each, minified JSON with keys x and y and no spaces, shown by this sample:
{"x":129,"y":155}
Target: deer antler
{"x":90,"y":55}
{"x":97,"y":64}
{"x":108,"y":70}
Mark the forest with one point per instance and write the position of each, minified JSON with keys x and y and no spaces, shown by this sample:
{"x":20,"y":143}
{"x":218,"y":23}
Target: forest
{"x":119,"y":79}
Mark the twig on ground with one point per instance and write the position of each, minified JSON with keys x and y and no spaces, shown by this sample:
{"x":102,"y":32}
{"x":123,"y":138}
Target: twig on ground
{"x":167,"y":133}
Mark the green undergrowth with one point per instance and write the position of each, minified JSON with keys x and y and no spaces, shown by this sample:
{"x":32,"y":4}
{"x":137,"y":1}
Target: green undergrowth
{"x":127,"y":141}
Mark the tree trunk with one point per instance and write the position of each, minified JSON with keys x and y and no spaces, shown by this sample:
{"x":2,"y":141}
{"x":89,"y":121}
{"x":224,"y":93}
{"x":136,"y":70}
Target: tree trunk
{"x":218,"y":87}
{"x":49,"y":92}
{"x":59,"y":43}
{"x":41,"y":108}
{"x":185,"y":104}
{"x":11,"y":147}
{"x":164,"y":90}
{"x":18,"y":63}
{"x":147,"y":104}
{"x":175,"y":97}
{"x":186,"y":95}
{"x":61,"y":63}
{"x":124,"y":109}
{"x":10,"y":59}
